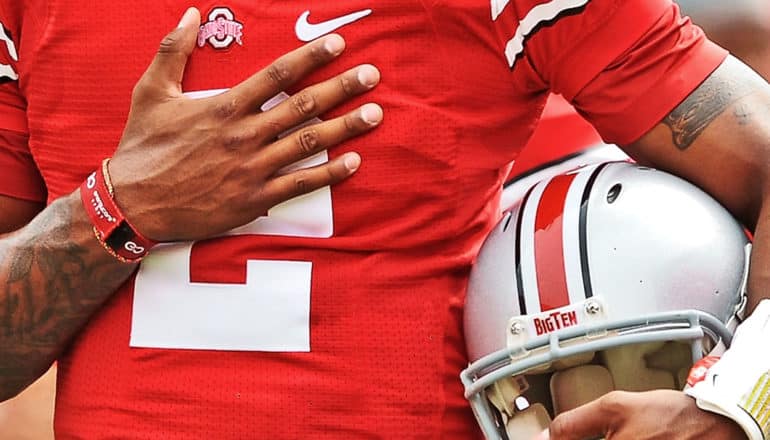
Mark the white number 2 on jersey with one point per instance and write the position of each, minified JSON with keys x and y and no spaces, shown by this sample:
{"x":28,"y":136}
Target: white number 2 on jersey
{"x":270,"y":312}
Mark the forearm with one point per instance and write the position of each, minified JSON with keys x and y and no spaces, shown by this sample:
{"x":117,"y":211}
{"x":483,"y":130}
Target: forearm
{"x":719,"y":139}
{"x":54,"y":276}
{"x":759,"y":273}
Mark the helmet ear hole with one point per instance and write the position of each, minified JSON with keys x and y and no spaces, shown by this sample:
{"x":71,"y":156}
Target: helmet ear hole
{"x":576,"y":386}
{"x":614,"y":193}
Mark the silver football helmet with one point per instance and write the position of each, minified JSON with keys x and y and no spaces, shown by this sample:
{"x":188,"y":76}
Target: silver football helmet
{"x":614,"y":276}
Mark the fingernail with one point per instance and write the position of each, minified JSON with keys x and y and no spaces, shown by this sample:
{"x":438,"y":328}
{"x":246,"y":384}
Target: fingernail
{"x":368,"y":75}
{"x":334,"y":44}
{"x":371,"y":113}
{"x":545,"y":435}
{"x":352,"y":161}
{"x":187,"y":18}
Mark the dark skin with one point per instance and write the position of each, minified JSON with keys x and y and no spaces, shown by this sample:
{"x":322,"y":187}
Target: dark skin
{"x":718,"y":138}
{"x":654,"y":415}
{"x":55,"y":275}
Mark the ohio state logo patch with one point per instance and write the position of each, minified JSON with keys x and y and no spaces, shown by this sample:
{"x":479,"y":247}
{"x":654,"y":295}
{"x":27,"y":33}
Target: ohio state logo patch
{"x":221,"y":30}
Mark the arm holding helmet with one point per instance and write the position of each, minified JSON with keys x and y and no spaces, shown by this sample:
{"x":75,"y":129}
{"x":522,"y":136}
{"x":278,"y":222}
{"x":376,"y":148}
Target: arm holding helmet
{"x":719,"y":139}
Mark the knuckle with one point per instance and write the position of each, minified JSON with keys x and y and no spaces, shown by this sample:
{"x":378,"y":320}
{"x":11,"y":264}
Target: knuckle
{"x":254,"y":133}
{"x":274,"y":128}
{"x":348,"y":85}
{"x":564,"y":426}
{"x":559,"y":426}
{"x":318,"y":54}
{"x":304,"y":103}
{"x":301,"y":183}
{"x":351,"y":124}
{"x":260,"y":198}
{"x":169,"y":43}
{"x":334,"y":173}
{"x":279,"y":73}
{"x":308,"y":141}
{"x":225,"y":108}
{"x":144,"y":89}
{"x":232,"y":142}
{"x":611,"y":402}
{"x":266,"y":128}
{"x":138,"y":91}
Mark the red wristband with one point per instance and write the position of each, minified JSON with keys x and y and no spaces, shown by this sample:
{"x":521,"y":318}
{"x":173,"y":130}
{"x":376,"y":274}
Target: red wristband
{"x":111,"y":228}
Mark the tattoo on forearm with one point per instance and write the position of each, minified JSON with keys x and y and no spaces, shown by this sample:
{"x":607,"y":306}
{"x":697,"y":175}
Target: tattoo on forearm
{"x":53,"y":281}
{"x":721,"y":90}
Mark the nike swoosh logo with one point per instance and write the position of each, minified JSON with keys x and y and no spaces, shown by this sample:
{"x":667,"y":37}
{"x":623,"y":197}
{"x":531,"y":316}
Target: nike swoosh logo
{"x":307,"y":31}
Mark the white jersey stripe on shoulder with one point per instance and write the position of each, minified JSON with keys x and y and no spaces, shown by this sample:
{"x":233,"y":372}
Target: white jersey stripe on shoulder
{"x":5,"y":70}
{"x":497,"y":8}
{"x":8,"y":43}
{"x":537,"y":15}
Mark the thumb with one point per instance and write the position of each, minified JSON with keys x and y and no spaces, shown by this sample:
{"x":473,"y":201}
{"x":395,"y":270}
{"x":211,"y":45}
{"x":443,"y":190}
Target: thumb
{"x":167,"y":68}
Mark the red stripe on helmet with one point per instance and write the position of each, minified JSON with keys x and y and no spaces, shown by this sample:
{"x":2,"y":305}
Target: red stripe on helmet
{"x":549,"y":245}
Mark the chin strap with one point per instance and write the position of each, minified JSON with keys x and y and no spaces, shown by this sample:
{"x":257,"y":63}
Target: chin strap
{"x":737,"y":385}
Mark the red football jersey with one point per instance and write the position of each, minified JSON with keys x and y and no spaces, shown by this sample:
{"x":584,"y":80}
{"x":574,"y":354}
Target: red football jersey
{"x":561,"y":132}
{"x":337,"y":315}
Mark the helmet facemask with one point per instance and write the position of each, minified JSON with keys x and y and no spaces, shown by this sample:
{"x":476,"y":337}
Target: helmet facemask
{"x":632,"y":323}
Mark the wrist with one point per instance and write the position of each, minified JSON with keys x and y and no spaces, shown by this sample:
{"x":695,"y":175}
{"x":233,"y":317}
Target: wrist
{"x":111,"y":228}
{"x":130,"y":194}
